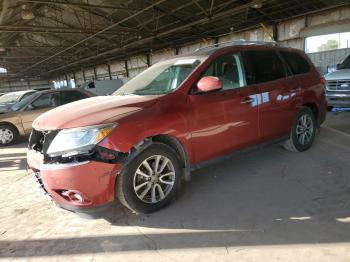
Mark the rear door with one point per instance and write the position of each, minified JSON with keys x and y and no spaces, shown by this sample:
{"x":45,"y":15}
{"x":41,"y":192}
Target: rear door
{"x":227,"y":119}
{"x":39,"y":106}
{"x":279,"y":92}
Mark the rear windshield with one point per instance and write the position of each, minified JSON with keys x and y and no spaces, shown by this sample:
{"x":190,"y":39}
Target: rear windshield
{"x":161,"y":78}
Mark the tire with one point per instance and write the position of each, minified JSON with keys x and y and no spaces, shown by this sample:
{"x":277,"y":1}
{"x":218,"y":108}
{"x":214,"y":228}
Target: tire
{"x":8,"y":135}
{"x":329,"y":108}
{"x":132,"y":183}
{"x":296,"y":143}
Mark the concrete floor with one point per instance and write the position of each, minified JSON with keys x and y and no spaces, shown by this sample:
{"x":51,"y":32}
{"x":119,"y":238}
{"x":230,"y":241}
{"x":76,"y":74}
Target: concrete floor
{"x":267,"y":205}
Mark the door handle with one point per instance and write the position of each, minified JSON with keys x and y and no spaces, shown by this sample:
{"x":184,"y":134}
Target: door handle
{"x":247,"y":100}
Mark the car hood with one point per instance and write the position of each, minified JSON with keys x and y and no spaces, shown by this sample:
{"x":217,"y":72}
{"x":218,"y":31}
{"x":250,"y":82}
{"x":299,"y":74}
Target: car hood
{"x":92,"y":111}
{"x":339,"y":74}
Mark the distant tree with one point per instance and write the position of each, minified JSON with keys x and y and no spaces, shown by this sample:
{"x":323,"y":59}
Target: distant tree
{"x":329,"y":45}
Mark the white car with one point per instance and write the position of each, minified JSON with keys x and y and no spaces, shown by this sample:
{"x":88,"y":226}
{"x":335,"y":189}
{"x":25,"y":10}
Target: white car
{"x":338,"y":86}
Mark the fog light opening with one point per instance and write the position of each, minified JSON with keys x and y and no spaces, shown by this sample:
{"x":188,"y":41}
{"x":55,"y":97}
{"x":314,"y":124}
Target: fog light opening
{"x":74,"y":196}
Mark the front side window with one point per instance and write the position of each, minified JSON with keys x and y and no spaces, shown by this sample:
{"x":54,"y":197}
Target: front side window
{"x":263,"y":66}
{"x":161,"y":78}
{"x":228,"y":69}
{"x":296,"y":62}
{"x":46,"y":100}
{"x":25,"y":95}
{"x":24,"y":102}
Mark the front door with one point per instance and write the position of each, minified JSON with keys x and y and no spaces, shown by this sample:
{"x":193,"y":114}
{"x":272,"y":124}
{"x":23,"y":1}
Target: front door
{"x":227,"y":119}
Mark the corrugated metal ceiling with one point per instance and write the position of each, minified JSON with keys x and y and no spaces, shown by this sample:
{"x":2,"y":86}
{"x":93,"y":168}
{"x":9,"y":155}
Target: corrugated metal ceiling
{"x":50,"y":37}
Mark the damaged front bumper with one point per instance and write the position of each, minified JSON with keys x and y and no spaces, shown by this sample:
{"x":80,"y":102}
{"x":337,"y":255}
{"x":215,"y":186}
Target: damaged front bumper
{"x":76,"y":186}
{"x":84,"y":184}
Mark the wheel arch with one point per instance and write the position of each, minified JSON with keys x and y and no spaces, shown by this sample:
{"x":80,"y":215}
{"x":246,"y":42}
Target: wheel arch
{"x":174,"y":143}
{"x":168,"y":140}
{"x":4,"y":123}
{"x":314,"y":109}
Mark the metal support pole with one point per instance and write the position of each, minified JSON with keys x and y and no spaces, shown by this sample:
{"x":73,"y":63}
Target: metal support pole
{"x":148,"y":60}
{"x":95,"y":74}
{"x":109,"y":71}
{"x":66,"y":78}
{"x":126,"y":68}
{"x":275,"y":32}
{"x":84,"y":78}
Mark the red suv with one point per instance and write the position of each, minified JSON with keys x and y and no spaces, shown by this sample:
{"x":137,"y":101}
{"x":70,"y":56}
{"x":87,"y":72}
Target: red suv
{"x":176,"y":116}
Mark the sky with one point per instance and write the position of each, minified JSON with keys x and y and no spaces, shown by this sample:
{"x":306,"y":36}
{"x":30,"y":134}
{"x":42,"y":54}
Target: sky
{"x":312,"y":43}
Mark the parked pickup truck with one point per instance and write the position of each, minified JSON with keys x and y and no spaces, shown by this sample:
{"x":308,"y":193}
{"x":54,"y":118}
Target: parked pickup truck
{"x":338,"y":86}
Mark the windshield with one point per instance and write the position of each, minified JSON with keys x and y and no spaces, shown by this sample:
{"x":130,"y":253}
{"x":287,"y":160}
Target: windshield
{"x":161,"y":78}
{"x":345,"y":64}
{"x":10,"y":98}
{"x":19,"y":105}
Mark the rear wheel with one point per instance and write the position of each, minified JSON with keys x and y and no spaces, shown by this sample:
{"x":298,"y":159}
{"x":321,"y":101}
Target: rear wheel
{"x":150,"y":180}
{"x":303,"y":131}
{"x":8,"y":135}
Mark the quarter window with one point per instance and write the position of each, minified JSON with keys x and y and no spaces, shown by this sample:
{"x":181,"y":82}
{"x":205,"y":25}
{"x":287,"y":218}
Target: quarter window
{"x":228,"y":69}
{"x":263,"y":66}
{"x":296,"y":62}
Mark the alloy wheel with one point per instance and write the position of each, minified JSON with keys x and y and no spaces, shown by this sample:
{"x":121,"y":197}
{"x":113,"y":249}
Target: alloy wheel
{"x":305,"y":129}
{"x":154,"y":179}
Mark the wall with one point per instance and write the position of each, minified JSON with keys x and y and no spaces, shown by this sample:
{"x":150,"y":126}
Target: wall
{"x":327,"y":58}
{"x":18,"y":85}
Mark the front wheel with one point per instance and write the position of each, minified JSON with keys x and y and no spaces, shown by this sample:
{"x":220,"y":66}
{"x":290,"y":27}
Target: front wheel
{"x":303,"y":131}
{"x":8,"y":135}
{"x":150,"y":180}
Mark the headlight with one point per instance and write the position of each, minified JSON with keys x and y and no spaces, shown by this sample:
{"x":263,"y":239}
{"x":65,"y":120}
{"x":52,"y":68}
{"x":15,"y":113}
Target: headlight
{"x":74,"y":141}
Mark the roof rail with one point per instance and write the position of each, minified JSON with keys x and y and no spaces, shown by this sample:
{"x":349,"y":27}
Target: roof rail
{"x":240,"y":42}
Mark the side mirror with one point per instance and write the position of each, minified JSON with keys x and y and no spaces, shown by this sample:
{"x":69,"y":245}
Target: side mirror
{"x":209,"y":83}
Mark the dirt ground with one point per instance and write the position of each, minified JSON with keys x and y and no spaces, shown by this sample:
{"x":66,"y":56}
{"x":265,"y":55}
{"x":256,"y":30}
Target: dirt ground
{"x":267,"y":205}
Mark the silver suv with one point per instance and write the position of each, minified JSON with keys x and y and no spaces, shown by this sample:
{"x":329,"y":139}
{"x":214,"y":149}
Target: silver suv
{"x":338,"y":86}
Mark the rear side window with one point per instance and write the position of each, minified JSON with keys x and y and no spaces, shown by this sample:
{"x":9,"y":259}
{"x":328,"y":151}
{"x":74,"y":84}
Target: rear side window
{"x":296,"y":63}
{"x":71,"y":96}
{"x":263,"y":66}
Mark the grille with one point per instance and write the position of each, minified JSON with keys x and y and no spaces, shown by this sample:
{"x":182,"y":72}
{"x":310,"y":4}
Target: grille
{"x":338,"y":85}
